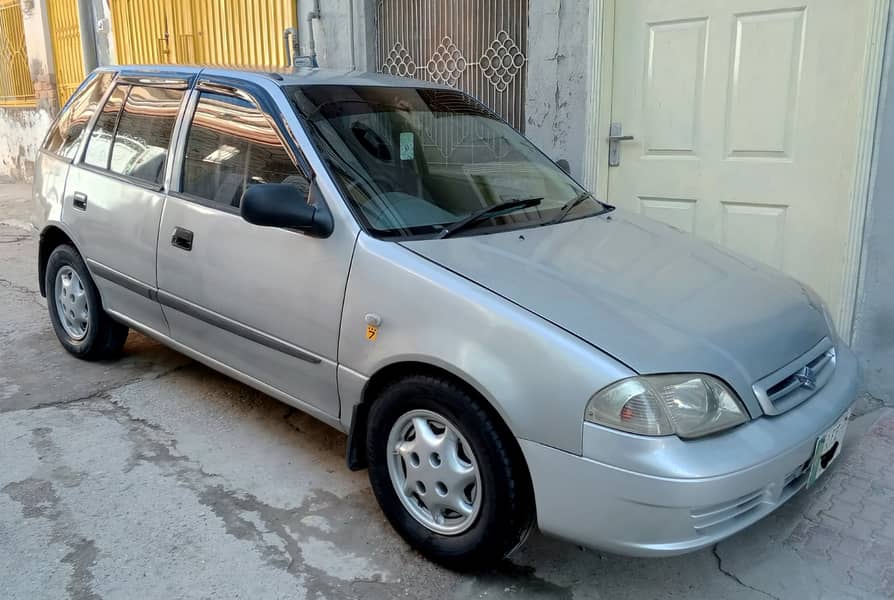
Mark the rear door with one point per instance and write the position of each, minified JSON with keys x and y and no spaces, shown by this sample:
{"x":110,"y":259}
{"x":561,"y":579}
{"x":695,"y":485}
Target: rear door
{"x":114,"y":195}
{"x":62,"y":144}
{"x":261,"y":300}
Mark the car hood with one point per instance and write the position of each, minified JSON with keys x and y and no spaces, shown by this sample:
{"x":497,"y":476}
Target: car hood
{"x":653,"y":297}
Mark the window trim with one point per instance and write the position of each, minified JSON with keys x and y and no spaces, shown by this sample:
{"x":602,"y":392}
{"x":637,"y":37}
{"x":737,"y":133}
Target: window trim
{"x":115,"y":130}
{"x":124,"y":178}
{"x":236,"y":90}
{"x":82,"y":152}
{"x":171,"y":83}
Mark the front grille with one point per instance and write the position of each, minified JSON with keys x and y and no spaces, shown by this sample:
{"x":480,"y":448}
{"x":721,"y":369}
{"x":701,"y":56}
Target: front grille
{"x":797,"y":381}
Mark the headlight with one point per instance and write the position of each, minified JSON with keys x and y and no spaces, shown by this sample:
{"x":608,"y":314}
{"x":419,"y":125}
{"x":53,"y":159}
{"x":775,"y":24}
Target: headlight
{"x":689,"y":405}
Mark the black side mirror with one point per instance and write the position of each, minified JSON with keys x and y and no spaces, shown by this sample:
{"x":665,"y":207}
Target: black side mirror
{"x":285,"y":205}
{"x":563,"y":164}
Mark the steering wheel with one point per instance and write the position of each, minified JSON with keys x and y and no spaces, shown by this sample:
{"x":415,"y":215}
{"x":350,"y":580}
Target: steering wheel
{"x":371,"y":141}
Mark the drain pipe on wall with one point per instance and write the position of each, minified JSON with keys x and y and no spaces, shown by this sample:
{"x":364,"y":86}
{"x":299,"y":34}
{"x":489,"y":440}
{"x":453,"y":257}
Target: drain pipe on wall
{"x":88,"y":35}
{"x":353,"y":50}
{"x":312,"y":16}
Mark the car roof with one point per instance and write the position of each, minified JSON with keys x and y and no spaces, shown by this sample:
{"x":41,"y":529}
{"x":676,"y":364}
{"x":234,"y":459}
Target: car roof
{"x":281,"y":77}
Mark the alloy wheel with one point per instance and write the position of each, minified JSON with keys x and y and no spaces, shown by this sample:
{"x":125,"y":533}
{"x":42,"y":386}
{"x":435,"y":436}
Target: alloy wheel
{"x":434,"y":472}
{"x":71,"y":303}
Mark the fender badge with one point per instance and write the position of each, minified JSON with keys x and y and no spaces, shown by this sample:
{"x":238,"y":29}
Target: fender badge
{"x":373,"y":321}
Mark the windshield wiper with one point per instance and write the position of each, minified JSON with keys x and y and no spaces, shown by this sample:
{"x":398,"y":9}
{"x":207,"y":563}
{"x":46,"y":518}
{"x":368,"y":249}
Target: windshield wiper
{"x":489,"y":212}
{"x":569,"y":206}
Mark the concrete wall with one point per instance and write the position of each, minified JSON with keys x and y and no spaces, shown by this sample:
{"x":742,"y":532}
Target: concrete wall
{"x":874,"y":320}
{"x":102,"y":32}
{"x":21,"y":132}
{"x":332,"y":33}
{"x":556,"y":104}
{"x":23,"y":129}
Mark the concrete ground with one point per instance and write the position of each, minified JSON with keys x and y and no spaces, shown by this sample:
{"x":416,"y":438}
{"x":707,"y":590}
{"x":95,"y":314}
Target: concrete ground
{"x":154,"y":477}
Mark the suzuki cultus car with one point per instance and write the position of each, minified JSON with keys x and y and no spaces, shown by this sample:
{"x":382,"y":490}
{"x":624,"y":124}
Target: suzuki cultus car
{"x":503,"y":349}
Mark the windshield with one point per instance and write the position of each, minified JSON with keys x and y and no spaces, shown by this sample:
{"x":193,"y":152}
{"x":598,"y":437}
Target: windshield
{"x":413,"y":162}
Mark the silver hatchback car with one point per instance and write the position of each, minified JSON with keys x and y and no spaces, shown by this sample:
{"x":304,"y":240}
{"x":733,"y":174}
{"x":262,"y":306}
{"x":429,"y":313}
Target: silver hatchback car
{"x":502,"y":349}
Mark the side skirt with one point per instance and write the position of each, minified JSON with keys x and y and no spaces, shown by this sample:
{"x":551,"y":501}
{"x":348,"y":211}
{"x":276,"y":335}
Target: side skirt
{"x":231,"y":372}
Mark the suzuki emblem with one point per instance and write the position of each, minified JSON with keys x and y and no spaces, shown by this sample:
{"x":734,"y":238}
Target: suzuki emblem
{"x":807,"y":378}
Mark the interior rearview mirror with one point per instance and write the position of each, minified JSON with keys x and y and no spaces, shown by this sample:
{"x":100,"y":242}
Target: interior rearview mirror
{"x":285,"y":205}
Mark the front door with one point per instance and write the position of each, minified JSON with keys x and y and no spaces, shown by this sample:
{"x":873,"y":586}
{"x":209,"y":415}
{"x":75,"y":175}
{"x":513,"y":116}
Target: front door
{"x":744,"y":117}
{"x":262,"y":300}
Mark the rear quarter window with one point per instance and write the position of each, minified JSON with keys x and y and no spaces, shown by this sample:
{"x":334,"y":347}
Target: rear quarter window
{"x":66,"y":134}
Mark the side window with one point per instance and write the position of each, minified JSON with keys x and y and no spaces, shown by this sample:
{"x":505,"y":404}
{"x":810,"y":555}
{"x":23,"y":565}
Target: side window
{"x":143,"y":135}
{"x":65,"y":136}
{"x":230,"y":146}
{"x":100,"y":143}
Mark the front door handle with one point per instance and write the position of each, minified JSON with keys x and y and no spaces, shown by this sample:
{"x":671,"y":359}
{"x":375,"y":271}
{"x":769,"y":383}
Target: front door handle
{"x":79,"y":201}
{"x":182,"y":238}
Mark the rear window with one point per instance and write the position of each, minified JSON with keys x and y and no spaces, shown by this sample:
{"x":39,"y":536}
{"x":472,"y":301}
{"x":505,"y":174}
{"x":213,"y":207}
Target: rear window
{"x":133,"y":133}
{"x":143,"y":137}
{"x":100,"y":142}
{"x":67,"y":132}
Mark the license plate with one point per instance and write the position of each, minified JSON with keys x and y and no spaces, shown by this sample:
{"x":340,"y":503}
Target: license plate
{"x":827,"y":449}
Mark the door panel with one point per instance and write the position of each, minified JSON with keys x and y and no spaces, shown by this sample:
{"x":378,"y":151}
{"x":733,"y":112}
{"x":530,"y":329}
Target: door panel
{"x":745,"y":124}
{"x":118,"y":230}
{"x":276,"y":283}
{"x":764,"y":83}
{"x":263,"y":300}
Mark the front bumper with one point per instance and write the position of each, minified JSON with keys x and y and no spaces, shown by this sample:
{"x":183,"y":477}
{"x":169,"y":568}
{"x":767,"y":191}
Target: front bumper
{"x":643,"y":496}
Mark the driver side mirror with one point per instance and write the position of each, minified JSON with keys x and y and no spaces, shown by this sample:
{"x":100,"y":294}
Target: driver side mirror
{"x":284,"y":205}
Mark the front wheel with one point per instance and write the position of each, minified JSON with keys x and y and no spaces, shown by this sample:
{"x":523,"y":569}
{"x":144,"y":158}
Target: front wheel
{"x":81,"y":325}
{"x":448,"y":477}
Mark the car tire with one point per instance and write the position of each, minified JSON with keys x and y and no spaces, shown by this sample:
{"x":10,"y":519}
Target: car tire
{"x":80,"y":322}
{"x":497,"y":509}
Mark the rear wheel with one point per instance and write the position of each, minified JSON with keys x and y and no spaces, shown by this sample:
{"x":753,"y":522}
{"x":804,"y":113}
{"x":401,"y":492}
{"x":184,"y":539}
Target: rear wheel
{"x":447,"y":475}
{"x":80,"y":323}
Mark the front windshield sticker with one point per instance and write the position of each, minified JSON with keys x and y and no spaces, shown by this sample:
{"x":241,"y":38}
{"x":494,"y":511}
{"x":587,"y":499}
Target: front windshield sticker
{"x":406,"y":145}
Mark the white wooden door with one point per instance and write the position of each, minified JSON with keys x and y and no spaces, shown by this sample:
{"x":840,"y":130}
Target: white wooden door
{"x":745,"y":122}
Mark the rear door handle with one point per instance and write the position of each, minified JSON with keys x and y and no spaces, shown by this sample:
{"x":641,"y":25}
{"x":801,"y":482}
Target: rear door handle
{"x":79,"y":201}
{"x":182,"y":238}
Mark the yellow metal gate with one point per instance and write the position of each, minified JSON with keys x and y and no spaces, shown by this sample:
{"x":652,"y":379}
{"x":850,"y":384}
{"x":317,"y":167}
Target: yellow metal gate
{"x":214,"y":32}
{"x":16,"y":87}
{"x":67,"y":54}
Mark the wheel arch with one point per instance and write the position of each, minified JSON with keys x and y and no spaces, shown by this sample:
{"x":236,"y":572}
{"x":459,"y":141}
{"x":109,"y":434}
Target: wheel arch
{"x":51,"y":237}
{"x":386,"y":375}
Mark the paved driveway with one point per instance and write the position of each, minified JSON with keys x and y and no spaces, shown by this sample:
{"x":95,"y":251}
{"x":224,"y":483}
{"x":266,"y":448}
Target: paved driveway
{"x":154,"y":477}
